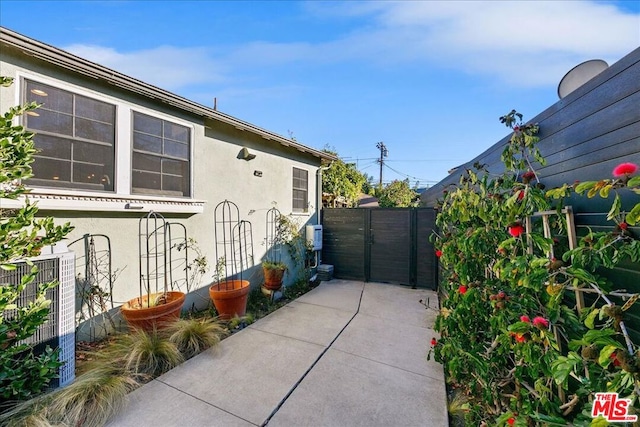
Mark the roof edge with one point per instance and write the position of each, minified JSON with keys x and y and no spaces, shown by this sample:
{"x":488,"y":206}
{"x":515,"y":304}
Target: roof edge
{"x":96,"y":71}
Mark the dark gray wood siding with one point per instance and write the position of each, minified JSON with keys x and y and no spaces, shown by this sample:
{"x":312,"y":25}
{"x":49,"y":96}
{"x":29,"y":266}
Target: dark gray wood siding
{"x":583,"y":137}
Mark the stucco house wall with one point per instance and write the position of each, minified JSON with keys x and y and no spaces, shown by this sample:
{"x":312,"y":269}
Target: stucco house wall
{"x":217,"y":172}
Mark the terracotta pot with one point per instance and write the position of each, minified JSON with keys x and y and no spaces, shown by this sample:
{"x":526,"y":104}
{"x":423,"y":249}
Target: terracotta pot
{"x":230,"y":298}
{"x":273,"y":278}
{"x":148,"y":317}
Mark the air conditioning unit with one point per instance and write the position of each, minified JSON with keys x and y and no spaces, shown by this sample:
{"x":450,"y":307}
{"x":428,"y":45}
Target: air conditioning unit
{"x":59,"y":329}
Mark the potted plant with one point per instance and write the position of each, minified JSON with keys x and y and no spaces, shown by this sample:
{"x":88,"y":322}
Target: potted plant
{"x":157,"y":304}
{"x":273,"y":274}
{"x":153,"y":309}
{"x":229,"y":296}
{"x":280,"y":233}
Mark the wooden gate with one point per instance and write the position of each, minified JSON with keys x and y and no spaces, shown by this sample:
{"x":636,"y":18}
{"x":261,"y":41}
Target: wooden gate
{"x":380,"y":245}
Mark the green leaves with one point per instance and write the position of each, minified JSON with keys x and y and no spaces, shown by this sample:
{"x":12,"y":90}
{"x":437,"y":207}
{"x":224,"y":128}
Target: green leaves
{"x":634,"y":182}
{"x":591,"y":318}
{"x":397,"y":194}
{"x":488,"y":340}
{"x":563,"y":366}
{"x":633,"y":217}
{"x":605,"y":355}
{"x":615,"y":208}
{"x":22,"y":374}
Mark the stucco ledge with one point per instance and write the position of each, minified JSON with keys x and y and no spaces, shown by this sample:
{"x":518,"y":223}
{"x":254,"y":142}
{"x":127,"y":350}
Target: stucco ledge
{"x":105,"y":203}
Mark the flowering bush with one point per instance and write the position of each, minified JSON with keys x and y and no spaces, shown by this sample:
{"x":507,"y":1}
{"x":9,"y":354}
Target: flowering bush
{"x":512,"y":339}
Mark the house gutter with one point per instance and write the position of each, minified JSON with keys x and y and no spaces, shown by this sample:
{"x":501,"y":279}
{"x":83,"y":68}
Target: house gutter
{"x":318,"y":256}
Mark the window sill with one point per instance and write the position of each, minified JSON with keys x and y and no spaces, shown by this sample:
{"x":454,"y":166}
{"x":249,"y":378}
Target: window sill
{"x":57,"y":200}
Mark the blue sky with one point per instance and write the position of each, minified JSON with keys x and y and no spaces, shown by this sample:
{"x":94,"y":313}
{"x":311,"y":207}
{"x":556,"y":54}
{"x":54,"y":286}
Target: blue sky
{"x":428,"y":78}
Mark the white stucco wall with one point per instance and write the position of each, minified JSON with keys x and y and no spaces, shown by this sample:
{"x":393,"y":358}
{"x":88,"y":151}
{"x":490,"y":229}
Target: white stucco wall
{"x":217,"y":174}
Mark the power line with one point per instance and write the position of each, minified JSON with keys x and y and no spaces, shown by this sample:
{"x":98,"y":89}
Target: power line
{"x":382,"y":161}
{"x":409,"y":176}
{"x":426,"y":160}
{"x":358,"y":158}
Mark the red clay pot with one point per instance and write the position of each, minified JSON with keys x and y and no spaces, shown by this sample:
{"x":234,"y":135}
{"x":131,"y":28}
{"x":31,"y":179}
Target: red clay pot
{"x":230,"y":298}
{"x":148,"y":317}
{"x":273,"y":278}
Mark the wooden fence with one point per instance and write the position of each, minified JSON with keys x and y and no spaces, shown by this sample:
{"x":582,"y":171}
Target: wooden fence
{"x":583,"y":137}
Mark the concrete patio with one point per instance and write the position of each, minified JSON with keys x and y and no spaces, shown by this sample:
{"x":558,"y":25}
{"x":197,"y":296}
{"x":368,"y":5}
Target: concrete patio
{"x":345,"y":354}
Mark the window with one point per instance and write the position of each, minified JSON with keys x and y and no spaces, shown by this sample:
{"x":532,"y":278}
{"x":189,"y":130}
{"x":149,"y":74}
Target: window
{"x":300,"y":190}
{"x":160,"y":157}
{"x":75,"y":136}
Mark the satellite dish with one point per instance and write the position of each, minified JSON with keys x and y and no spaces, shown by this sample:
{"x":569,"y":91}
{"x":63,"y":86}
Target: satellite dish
{"x":579,"y":75}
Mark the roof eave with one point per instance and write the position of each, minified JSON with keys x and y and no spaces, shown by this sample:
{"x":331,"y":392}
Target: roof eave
{"x":87,"y":68}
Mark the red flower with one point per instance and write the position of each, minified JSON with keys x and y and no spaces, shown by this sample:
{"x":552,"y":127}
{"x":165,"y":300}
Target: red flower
{"x":516,"y":230}
{"x":516,"y":129}
{"x":528,"y":176}
{"x":433,"y":342}
{"x":625,"y":169}
{"x":614,"y":357}
{"x":438,"y":253}
{"x":511,"y":421}
{"x":462,"y":289}
{"x":623,"y":226}
{"x":525,"y":318}
{"x":540,"y":322}
{"x":520,"y":195}
{"x":521,"y":337}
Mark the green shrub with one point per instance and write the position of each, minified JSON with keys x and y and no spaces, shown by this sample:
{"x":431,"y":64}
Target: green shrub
{"x":511,"y":339}
{"x":22,"y":374}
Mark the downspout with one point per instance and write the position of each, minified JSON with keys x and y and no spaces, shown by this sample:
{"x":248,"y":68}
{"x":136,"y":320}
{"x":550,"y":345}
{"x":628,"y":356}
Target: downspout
{"x":319,"y":190}
{"x":319,"y":207}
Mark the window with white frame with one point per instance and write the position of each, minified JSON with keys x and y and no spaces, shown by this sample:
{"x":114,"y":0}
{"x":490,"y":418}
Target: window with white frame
{"x":90,"y":142}
{"x":160,"y":159}
{"x":75,"y":136}
{"x":300,"y":190}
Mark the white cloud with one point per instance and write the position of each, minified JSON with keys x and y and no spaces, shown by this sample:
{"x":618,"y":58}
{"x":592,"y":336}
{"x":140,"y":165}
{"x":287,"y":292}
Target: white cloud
{"x":511,"y":42}
{"x":168,"y":67}
{"x":522,"y":42}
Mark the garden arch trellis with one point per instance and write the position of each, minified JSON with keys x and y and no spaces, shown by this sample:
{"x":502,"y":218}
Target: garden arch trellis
{"x":233,"y":241}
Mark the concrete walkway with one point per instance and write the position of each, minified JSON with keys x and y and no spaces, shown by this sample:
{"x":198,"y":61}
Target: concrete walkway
{"x":345,"y":354}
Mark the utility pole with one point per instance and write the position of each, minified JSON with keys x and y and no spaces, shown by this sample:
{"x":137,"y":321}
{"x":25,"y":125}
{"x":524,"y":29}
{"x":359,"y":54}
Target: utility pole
{"x":383,"y":153}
